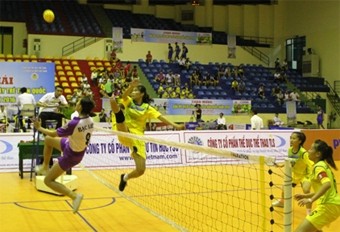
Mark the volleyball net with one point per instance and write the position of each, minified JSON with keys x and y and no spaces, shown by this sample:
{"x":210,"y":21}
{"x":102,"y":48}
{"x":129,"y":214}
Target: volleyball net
{"x":191,"y":186}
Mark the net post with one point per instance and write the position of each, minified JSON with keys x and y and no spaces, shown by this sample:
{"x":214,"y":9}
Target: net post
{"x":287,"y":190}
{"x":263,"y":190}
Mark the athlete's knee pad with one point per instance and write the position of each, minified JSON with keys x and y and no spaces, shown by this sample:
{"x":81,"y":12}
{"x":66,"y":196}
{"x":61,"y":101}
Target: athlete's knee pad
{"x":120,"y":117}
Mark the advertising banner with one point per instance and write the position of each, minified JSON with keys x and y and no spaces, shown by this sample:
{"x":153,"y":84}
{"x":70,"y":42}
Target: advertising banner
{"x":165,"y":36}
{"x":331,"y":137}
{"x":117,"y":39}
{"x":37,"y":77}
{"x":105,"y":151}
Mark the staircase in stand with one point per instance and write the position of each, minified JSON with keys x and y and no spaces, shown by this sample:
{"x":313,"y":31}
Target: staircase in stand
{"x":334,"y":98}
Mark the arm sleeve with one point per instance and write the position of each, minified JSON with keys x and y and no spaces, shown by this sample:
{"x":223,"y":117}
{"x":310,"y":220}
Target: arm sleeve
{"x":67,"y":129}
{"x":321,"y":175}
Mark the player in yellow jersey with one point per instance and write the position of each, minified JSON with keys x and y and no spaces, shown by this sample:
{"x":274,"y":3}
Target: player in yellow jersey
{"x":131,"y":116}
{"x":302,"y":167}
{"x":325,"y":191}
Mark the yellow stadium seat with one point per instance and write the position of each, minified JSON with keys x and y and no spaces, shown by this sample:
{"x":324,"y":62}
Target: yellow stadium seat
{"x":57,"y":62}
{"x":80,"y":79}
{"x":69,"y":73}
{"x":92,"y":68}
{"x":33,"y":56}
{"x":34,"y":60}
{"x":72,"y":79}
{"x":58,"y":67}
{"x":91,"y":63}
{"x":61,"y":73}
{"x":2,"y":56}
{"x":107,"y":64}
{"x":65,"y":62}
{"x":74,"y":85}
{"x":67,"y":67}
{"x":9,"y":56}
{"x":67,"y":91}
{"x":26,"y":60}
{"x":74,"y":62}
{"x":25,"y":56}
{"x":10,"y":60}
{"x":78,"y":73}
{"x":65,"y":84}
{"x":63,"y":79}
{"x":55,"y":78}
{"x":99,"y":64}
{"x":76,"y":68}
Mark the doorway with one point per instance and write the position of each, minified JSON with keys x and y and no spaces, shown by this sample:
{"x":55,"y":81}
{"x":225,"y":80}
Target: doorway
{"x":6,"y":40}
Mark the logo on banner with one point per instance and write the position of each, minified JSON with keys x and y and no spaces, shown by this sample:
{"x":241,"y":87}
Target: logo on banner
{"x":5,"y":147}
{"x":282,"y":141}
{"x":196,"y":141}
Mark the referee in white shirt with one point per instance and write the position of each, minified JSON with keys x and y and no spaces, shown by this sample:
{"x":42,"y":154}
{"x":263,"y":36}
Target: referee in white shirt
{"x":50,"y":104}
{"x":256,"y":121}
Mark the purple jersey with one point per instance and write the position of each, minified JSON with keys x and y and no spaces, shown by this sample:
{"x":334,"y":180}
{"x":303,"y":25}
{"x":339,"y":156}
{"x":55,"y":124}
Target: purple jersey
{"x":79,"y":132}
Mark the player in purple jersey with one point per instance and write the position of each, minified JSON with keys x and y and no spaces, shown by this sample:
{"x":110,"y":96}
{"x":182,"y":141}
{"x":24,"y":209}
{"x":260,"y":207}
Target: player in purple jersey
{"x":71,"y":139}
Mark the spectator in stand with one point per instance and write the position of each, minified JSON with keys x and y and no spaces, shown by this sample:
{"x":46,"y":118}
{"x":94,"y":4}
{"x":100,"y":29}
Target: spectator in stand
{"x":127,"y":68}
{"x":94,"y":76}
{"x":284,"y":65}
{"x":241,"y":86}
{"x":170,"y":52}
{"x":148,"y":58}
{"x":277,"y":77}
{"x":160,"y":90}
{"x":184,"y":51}
{"x":279,"y":98}
{"x":213,"y":79}
{"x":261,"y":91}
{"x":169,"y":79}
{"x":177,"y":51}
{"x":234,"y":85}
{"x":195,"y":79}
{"x":113,"y":56}
{"x":277,"y":65}
{"x":109,"y":87}
{"x":227,"y":71}
{"x":134,"y":72}
{"x":320,"y":118}
{"x":220,"y":71}
{"x":160,"y":78}
{"x":177,"y":79}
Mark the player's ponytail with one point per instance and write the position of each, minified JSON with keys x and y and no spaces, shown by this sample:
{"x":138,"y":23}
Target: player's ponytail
{"x":146,"y":97}
{"x":326,"y":152}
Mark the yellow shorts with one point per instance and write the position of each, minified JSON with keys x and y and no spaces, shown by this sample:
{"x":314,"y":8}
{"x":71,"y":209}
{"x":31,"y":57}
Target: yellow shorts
{"x":323,"y":215}
{"x":131,"y":143}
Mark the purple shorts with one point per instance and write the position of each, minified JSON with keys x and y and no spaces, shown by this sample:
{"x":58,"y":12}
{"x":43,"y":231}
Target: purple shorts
{"x":69,"y":158}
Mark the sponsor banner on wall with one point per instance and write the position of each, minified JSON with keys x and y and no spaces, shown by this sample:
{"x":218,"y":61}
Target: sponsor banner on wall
{"x":37,"y":77}
{"x":105,"y":151}
{"x":331,"y":137}
{"x":187,"y":106}
{"x":165,"y":36}
{"x":117,"y":39}
{"x":241,"y":106}
{"x":265,"y":142}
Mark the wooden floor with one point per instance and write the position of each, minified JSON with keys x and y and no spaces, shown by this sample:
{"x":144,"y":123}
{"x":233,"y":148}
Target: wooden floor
{"x":23,"y":208}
